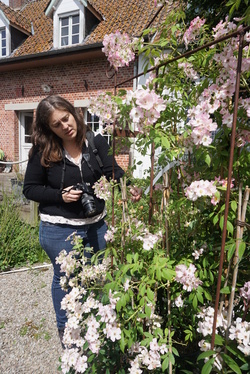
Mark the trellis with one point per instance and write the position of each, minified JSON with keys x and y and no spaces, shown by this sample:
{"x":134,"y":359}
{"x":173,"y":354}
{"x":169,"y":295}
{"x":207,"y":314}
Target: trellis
{"x":240,"y":223}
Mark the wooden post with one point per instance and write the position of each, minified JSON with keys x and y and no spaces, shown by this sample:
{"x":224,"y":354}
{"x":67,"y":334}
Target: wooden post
{"x":33,"y":213}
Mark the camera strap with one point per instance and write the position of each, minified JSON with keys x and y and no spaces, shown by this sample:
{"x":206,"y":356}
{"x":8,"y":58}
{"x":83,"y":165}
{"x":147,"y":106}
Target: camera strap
{"x":63,"y":171}
{"x":86,"y":158}
{"x":90,"y":138}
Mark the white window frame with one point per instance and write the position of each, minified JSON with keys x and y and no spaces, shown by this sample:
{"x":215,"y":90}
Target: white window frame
{"x":63,"y":9}
{"x":92,"y":121}
{"x":3,"y":29}
{"x":70,"y":26}
{"x":24,"y":137}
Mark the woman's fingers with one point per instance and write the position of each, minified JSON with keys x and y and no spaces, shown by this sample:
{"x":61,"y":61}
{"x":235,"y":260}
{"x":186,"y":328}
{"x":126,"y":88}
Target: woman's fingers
{"x":70,"y":195}
{"x":136,"y":194}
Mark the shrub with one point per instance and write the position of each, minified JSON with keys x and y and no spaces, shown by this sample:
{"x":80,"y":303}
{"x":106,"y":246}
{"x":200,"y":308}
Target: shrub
{"x":19,"y":241}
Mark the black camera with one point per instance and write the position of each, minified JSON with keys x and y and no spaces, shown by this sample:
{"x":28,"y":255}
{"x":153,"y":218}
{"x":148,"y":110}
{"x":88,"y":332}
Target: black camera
{"x":87,"y":199}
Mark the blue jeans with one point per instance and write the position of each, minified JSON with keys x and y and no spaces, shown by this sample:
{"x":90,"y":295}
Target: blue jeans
{"x":53,"y":240}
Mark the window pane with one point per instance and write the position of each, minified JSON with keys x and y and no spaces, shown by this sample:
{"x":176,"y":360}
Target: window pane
{"x":3,"y":34}
{"x":4,"y":43}
{"x":28,"y":128}
{"x":75,"y":19}
{"x":27,"y":139}
{"x":3,"y":51}
{"x":65,"y":31}
{"x":65,"y":41}
{"x":93,"y":123}
{"x":75,"y":39}
{"x":65,"y":21}
{"x":95,"y":127}
{"x":75,"y":29}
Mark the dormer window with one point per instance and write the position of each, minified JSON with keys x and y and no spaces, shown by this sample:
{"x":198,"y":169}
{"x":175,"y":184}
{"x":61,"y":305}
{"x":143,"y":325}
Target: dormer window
{"x":70,"y":29}
{"x":3,"y":45}
{"x":14,"y":29}
{"x":73,"y":21}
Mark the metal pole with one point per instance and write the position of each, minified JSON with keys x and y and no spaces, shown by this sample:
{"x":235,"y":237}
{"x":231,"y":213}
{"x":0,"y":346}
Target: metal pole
{"x":151,"y":205}
{"x":113,"y":165}
{"x":229,"y":178}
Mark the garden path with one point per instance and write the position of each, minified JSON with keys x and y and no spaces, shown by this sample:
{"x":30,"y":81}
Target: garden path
{"x":28,"y":335}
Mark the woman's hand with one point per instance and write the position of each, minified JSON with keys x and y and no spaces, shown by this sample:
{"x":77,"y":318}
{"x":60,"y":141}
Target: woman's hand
{"x":70,"y":195}
{"x":136,"y":193}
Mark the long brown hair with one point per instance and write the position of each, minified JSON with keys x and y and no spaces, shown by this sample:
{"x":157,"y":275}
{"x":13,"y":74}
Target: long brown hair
{"x":50,"y":145}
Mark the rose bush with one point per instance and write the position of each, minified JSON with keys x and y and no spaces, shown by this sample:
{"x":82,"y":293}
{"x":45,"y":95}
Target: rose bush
{"x":149,"y":305}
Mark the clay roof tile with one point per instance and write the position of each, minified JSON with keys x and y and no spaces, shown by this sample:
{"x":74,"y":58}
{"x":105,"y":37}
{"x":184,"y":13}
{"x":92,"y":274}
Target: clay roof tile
{"x":15,"y":18}
{"x":131,"y":16}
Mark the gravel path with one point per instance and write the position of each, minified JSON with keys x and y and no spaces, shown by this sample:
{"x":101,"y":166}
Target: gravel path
{"x":29,"y":341}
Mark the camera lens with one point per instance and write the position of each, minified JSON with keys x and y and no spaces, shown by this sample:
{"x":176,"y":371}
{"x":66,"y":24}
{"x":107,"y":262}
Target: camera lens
{"x":88,"y":204}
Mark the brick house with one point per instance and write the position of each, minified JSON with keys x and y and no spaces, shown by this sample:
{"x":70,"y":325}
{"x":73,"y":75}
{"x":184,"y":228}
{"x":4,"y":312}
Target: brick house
{"x":55,"y":47}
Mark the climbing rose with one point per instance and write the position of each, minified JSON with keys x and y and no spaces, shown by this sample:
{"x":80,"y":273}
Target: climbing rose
{"x":119,"y":49}
{"x":102,"y":189}
{"x":200,"y":188}
{"x":186,"y":276}
{"x":193,"y":31}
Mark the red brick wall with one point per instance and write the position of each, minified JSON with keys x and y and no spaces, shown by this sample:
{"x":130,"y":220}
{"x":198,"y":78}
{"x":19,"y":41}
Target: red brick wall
{"x":123,"y":161}
{"x":25,"y":86}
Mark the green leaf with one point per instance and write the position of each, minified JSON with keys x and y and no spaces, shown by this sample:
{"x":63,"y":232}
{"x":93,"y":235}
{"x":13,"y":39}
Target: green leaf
{"x":150,"y":294}
{"x":109,"y":276}
{"x":208,"y":160}
{"x":147,"y":31}
{"x":207,"y":295}
{"x":234,"y":205}
{"x":121,"y":302}
{"x":129,"y":258}
{"x":142,"y":290}
{"x":127,"y":332}
{"x":219,"y":340}
{"x":242,"y":248}
{"x":158,"y":274}
{"x":230,"y":227}
{"x":165,"y":364}
{"x":205,"y":354}
{"x":230,"y":2}
{"x":230,"y":250}
{"x":246,"y":367}
{"x":148,"y":311}
{"x":91,"y":358}
{"x":168,"y":274}
{"x":211,"y":276}
{"x":200,"y":298}
{"x":122,"y":342}
{"x":165,"y":142}
{"x":195,"y":302}
{"x":221,"y":222}
{"x":231,"y":363}
{"x":175,"y":352}
{"x":207,"y":368}
{"x":225,"y":290}
{"x":215,"y":219}
{"x":171,"y":358}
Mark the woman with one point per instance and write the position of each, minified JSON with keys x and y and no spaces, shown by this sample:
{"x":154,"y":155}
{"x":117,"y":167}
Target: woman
{"x":59,"y":160}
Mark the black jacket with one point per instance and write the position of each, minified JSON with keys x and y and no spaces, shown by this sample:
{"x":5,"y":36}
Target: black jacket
{"x":42,"y":184}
